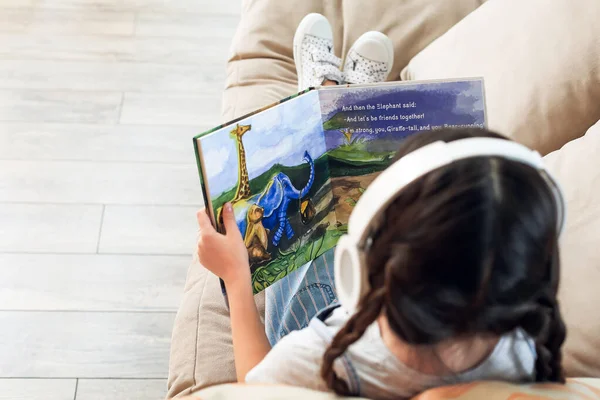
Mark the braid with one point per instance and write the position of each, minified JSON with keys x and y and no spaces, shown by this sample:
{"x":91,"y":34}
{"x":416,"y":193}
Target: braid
{"x":548,"y":328}
{"x":548,"y":344}
{"x":369,"y":309}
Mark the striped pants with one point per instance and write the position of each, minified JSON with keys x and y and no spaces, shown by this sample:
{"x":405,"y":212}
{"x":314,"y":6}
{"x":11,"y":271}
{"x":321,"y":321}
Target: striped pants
{"x":294,"y":300}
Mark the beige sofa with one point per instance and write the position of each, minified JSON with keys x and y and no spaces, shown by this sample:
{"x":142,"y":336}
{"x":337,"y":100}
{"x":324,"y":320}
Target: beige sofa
{"x":541,"y":64}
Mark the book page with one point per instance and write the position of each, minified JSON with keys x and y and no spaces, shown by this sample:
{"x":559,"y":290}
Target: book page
{"x":273,"y":167}
{"x":364,"y":126}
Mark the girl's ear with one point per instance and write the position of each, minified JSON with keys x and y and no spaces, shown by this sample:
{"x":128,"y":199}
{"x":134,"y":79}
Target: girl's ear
{"x":351,"y":278}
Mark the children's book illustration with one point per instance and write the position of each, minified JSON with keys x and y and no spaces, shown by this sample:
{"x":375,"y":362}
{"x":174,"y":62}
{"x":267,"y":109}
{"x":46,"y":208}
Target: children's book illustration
{"x":294,"y":171}
{"x":280,"y":189}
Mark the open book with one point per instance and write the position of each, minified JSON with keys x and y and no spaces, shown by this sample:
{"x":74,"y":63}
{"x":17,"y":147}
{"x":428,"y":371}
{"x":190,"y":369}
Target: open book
{"x":294,"y":170}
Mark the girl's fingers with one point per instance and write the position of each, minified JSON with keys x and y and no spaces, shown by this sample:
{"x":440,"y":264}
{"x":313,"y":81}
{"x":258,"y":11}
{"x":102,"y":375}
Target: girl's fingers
{"x":231,"y":227}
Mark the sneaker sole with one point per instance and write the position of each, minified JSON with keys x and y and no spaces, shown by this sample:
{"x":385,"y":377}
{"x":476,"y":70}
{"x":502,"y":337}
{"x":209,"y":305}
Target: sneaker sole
{"x":304,"y":26}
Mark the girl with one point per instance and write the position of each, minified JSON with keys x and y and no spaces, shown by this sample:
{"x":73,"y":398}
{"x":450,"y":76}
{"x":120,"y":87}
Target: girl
{"x":449,"y":274}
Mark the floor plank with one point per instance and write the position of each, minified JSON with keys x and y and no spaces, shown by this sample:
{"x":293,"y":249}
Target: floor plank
{"x":110,"y":76}
{"x":140,"y":230}
{"x":37,"y":389}
{"x":59,"y":106}
{"x":121,"y":389}
{"x":160,"y":144}
{"x":99,"y":182}
{"x":185,"y":25}
{"x":84,"y":344}
{"x":103,"y":48}
{"x":99,"y":101}
{"x":71,"y":282}
{"x":230,"y":7}
{"x":66,"y":22}
{"x":49,"y":228}
{"x":174,"y":109}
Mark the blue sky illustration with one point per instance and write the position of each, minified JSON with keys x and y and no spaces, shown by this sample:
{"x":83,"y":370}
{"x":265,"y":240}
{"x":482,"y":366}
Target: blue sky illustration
{"x":279,"y":135}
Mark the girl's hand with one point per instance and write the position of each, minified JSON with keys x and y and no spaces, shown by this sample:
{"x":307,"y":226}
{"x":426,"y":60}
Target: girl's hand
{"x":224,"y":255}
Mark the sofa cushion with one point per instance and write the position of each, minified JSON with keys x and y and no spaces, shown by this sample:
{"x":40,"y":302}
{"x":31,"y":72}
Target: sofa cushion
{"x":201,"y":345}
{"x":262,"y":70}
{"x":540,"y":61}
{"x":576,"y":168}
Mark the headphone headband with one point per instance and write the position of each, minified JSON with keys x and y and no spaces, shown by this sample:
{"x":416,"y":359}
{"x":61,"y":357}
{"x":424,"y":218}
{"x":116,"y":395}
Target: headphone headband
{"x":349,"y":259}
{"x":420,"y":162}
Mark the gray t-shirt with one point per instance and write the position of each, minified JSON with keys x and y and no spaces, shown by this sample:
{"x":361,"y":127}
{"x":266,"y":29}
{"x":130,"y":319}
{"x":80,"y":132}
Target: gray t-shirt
{"x":371,"y":370}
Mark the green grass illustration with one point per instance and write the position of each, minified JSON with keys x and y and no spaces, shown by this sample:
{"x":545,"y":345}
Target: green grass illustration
{"x":302,"y":251}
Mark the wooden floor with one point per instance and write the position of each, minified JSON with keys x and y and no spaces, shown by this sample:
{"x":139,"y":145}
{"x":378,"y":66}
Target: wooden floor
{"x":99,"y":100}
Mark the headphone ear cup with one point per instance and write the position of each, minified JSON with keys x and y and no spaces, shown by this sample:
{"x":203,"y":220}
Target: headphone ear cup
{"x":350,"y":274}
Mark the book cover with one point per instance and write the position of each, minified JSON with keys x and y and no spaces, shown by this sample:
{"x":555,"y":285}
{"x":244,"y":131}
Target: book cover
{"x":295,"y":170}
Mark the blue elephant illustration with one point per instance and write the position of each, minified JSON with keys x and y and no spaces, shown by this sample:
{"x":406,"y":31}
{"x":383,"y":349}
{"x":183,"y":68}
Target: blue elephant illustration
{"x":276,"y":198}
{"x":274,"y":202}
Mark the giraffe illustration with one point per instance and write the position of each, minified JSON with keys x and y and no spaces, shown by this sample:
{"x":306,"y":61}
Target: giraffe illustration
{"x":243,"y":189}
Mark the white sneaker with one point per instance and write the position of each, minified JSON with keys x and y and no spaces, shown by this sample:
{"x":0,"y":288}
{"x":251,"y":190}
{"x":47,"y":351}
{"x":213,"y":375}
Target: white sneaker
{"x":313,"y":53}
{"x":370,"y":59}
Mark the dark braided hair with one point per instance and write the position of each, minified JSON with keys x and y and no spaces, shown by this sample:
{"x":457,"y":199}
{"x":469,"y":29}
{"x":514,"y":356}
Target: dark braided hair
{"x":350,"y":333}
{"x":468,"y":249}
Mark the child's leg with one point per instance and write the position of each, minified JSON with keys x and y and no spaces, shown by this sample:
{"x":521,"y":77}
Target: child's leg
{"x":294,"y":300}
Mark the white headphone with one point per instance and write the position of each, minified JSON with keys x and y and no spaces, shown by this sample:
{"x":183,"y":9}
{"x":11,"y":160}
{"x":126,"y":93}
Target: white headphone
{"x":349,"y":262}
